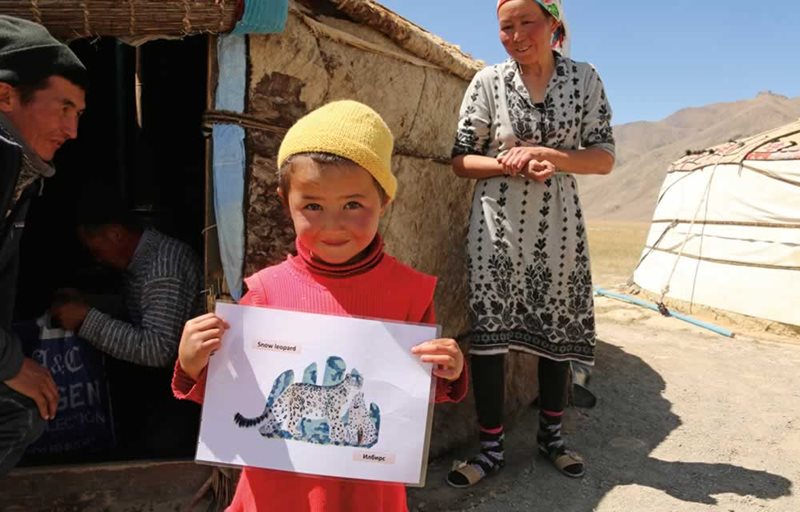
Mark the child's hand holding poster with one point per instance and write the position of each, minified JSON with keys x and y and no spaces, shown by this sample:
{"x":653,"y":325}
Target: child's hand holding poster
{"x":318,"y":394}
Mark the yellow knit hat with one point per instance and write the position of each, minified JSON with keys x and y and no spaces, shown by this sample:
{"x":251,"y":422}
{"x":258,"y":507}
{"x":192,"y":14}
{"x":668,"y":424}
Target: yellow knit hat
{"x":348,"y":129}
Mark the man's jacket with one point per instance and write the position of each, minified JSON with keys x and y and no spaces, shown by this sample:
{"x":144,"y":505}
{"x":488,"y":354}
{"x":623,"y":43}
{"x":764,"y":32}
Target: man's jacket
{"x":13,"y":211}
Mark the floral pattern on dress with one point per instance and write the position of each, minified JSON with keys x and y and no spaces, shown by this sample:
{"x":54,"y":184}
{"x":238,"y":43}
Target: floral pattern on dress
{"x":528,"y":259}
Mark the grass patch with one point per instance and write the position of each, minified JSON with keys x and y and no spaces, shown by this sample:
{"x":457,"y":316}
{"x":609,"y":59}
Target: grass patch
{"x":615,"y":248}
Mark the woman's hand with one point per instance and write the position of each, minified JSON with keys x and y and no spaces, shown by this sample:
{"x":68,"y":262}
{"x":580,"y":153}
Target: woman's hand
{"x":539,"y":170}
{"x":444,"y":354}
{"x":201,"y":337}
{"x":515,"y":160}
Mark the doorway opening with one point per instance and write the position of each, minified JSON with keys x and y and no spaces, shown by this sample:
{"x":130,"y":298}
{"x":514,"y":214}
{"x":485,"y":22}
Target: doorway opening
{"x":141,"y":142}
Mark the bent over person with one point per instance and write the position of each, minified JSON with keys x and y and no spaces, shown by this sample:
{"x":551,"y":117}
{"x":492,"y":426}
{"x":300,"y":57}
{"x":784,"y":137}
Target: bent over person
{"x":42,"y":95}
{"x":161,"y":290}
{"x":162,"y":284}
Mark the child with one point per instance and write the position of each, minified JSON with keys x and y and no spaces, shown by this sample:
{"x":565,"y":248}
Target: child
{"x":335,"y":179}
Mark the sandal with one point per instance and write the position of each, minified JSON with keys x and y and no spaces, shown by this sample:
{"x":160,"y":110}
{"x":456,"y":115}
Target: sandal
{"x":468,"y":473}
{"x":565,"y":461}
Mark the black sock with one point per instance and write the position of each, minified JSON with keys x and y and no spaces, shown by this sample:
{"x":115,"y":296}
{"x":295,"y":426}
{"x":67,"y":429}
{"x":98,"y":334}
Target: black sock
{"x":551,"y":442}
{"x":549,"y":436}
{"x":487,"y":461}
{"x":492,"y":453}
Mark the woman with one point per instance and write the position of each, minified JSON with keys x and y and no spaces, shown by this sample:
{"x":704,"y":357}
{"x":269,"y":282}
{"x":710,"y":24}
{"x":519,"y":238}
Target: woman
{"x":527,"y":126}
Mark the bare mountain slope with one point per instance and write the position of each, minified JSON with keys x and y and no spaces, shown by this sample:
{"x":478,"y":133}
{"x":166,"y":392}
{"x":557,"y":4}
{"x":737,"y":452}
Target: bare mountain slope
{"x":645,"y":150}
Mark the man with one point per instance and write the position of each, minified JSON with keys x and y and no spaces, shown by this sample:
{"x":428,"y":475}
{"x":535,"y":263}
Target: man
{"x":162,"y":280}
{"x":42,"y":95}
{"x":162,"y":284}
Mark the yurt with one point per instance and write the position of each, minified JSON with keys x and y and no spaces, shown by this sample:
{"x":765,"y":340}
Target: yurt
{"x":726,"y":229}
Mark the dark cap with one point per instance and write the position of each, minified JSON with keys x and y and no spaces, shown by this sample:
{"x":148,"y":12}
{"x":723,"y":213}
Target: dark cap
{"x":28,"y":53}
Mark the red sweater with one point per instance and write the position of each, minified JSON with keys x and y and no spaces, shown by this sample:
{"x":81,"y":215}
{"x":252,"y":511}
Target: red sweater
{"x":376,"y":286}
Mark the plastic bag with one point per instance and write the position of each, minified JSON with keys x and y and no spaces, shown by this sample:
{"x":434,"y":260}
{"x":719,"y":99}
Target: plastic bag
{"x":83,"y":419}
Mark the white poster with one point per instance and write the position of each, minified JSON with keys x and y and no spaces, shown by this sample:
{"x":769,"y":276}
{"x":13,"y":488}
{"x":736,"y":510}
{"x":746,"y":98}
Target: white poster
{"x":318,"y":394}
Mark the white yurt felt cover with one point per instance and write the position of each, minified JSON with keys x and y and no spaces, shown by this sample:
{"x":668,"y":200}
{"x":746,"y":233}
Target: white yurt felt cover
{"x":726,"y":229}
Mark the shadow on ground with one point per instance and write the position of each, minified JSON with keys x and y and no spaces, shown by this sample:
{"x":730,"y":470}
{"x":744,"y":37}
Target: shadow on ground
{"x":631,"y":419}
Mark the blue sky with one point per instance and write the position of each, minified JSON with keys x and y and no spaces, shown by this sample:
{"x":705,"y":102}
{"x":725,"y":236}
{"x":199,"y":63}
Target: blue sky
{"x":655,"y":57}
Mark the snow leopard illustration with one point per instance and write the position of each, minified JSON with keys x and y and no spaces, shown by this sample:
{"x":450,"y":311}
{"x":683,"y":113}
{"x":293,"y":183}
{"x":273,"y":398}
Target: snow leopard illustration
{"x":332,"y":413}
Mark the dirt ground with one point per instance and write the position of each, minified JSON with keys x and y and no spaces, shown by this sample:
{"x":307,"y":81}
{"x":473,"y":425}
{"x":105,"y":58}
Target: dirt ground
{"x":686,"y":420}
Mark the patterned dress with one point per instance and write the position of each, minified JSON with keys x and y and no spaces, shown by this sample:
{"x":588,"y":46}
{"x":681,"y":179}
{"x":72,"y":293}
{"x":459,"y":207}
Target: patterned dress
{"x":528,"y":259}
